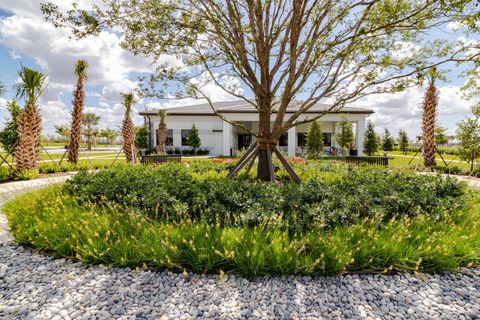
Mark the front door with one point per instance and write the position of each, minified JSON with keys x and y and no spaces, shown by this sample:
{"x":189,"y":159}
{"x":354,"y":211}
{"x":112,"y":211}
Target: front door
{"x":244,"y":141}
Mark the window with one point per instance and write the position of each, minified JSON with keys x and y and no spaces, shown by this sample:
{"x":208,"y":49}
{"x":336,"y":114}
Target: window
{"x":327,"y":139}
{"x":283,"y":141}
{"x":302,"y":139}
{"x":185,"y":133}
{"x":169,"y":137}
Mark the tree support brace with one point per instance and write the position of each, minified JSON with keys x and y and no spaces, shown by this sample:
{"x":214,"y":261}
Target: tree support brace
{"x":252,"y":153}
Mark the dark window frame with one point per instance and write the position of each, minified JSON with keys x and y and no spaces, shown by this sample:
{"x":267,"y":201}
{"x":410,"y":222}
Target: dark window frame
{"x":184,"y":134}
{"x":283,"y":140}
{"x":301,"y":139}
{"x":169,"y":137}
{"x":327,"y":139}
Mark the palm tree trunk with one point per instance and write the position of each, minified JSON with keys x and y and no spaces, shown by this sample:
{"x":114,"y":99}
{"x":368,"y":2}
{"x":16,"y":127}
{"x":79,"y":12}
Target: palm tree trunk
{"x":128,"y":132}
{"x":75,"y":132}
{"x":430,"y":104}
{"x":29,"y":129}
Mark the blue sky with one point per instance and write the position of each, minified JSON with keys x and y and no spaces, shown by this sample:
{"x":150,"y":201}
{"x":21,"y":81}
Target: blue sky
{"x":25,"y":38}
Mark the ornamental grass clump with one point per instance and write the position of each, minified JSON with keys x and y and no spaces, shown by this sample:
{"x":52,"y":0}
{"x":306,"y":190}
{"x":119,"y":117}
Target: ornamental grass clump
{"x":54,"y":221}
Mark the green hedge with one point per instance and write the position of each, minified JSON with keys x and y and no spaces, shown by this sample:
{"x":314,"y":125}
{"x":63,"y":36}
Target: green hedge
{"x":334,"y":195}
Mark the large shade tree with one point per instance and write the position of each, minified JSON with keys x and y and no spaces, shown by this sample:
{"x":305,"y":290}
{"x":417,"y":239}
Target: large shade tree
{"x":31,"y":86}
{"x":285,"y":53}
{"x":77,"y":113}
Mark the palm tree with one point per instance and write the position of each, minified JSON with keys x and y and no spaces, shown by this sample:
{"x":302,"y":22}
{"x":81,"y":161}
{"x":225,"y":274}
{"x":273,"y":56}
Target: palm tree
{"x":89,"y":121}
{"x":77,"y":117}
{"x":32,"y":84}
{"x":128,"y":130}
{"x":162,"y":132}
{"x":429,"y":118}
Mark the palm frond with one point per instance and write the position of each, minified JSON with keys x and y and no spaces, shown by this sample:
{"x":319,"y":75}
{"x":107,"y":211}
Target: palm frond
{"x":162,"y":113}
{"x":81,"y":68}
{"x":128,"y":101}
{"x":32,"y":84}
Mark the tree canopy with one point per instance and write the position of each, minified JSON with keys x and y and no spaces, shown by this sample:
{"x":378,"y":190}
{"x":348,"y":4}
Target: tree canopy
{"x":193,"y":140}
{"x":403,"y":141}
{"x":441,"y":138}
{"x":314,"y":141}
{"x":345,"y":137}
{"x":387,"y":141}
{"x":468,"y":135}
{"x":9,"y":134}
{"x":286,"y":54}
{"x":371,"y":143}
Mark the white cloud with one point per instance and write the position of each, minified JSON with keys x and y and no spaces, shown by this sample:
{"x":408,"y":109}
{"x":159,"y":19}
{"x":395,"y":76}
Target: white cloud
{"x":3,"y":104}
{"x":209,"y":89}
{"x":26,"y":34}
{"x":403,"y":110}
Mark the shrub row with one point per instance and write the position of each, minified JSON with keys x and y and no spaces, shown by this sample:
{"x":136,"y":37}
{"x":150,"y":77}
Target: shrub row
{"x":176,"y":192}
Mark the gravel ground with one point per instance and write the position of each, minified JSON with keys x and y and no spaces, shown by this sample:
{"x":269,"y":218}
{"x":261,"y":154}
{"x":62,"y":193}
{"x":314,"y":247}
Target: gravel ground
{"x":36,"y":286}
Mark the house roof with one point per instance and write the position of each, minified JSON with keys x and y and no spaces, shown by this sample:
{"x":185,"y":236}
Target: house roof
{"x":241,"y":106}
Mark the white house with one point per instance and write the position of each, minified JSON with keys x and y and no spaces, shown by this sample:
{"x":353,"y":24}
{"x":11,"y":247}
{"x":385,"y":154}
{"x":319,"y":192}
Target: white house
{"x":221,"y":138}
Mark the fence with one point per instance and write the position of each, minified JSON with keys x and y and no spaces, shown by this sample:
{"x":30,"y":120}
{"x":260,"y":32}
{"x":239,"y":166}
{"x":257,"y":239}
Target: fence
{"x":383,"y":161}
{"x":157,"y":158}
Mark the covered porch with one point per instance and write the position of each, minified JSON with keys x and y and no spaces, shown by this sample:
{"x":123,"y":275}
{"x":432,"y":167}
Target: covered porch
{"x":293,"y":142}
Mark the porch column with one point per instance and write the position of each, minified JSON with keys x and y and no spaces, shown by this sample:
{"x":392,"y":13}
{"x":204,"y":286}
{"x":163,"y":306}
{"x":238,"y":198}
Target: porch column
{"x":227,"y":138}
{"x":292,"y":143}
{"x":360,"y":137}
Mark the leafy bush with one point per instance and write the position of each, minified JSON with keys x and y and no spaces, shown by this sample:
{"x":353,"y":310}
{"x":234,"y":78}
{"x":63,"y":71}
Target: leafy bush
{"x":4,"y":173}
{"x":200,"y":192}
{"x":26,"y":174}
{"x":56,"y":222}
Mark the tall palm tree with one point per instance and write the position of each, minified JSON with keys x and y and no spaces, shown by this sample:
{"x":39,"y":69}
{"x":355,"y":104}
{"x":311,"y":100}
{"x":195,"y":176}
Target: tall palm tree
{"x":429,"y":118}
{"x":89,"y":121}
{"x":162,"y":132}
{"x":128,"y":130}
{"x":32,"y":84}
{"x":77,"y":113}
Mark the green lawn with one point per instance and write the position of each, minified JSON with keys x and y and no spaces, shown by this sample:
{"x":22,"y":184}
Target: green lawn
{"x":57,"y":156}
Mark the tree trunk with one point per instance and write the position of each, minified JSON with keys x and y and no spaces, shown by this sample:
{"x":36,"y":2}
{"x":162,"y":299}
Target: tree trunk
{"x":89,"y":148}
{"x":264,"y":159}
{"x":76,"y":127}
{"x":429,"y":119}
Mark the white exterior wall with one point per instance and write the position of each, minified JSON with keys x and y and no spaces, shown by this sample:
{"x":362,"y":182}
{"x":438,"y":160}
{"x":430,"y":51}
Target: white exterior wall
{"x":209,"y":130}
{"x":219,"y":136}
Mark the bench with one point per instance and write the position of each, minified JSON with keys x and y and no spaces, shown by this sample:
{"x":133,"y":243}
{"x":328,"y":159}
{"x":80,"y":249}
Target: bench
{"x":160,"y":158}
